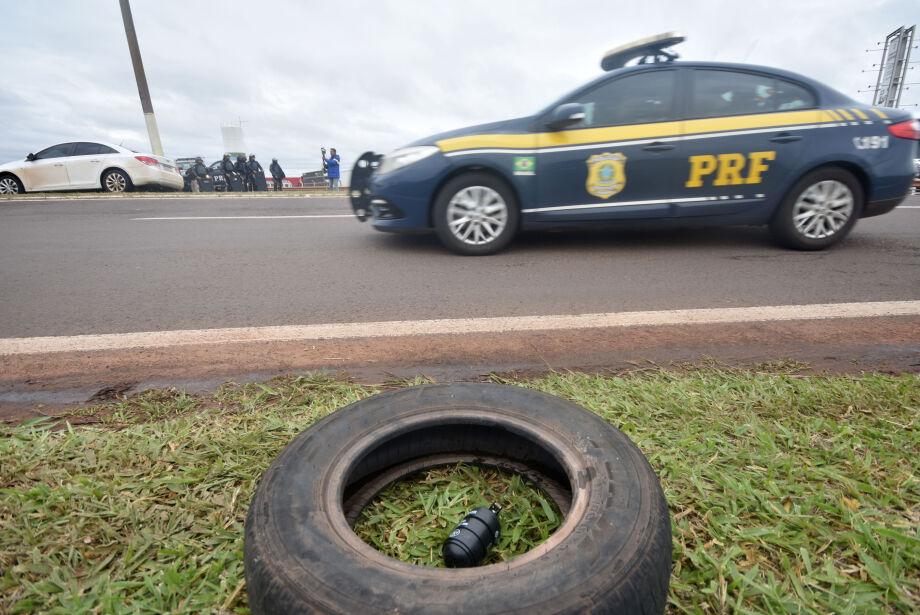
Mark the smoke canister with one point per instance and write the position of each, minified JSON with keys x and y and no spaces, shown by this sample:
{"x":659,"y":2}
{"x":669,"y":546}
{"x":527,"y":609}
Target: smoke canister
{"x":471,"y":541}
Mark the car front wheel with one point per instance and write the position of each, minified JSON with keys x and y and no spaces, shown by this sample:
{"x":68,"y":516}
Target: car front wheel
{"x":819,"y":210}
{"x":116,"y":180}
{"x":10,"y":185}
{"x":476,"y":214}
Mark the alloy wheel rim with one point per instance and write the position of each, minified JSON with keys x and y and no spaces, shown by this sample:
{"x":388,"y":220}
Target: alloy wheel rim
{"x":823,"y":209}
{"x":8,"y":186}
{"x":115,"y":182}
{"x":477,"y":215}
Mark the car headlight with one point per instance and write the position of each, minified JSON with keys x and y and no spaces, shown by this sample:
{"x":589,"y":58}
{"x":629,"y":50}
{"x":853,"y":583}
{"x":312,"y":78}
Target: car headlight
{"x":404,"y":157}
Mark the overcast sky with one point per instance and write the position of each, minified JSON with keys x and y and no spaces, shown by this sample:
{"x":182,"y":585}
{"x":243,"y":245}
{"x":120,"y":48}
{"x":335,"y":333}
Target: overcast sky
{"x":374,"y":75}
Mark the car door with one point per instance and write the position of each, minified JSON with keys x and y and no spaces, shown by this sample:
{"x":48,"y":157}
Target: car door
{"x":745,"y":135}
{"x":621,"y":160}
{"x":85,"y":164}
{"x":48,"y":169}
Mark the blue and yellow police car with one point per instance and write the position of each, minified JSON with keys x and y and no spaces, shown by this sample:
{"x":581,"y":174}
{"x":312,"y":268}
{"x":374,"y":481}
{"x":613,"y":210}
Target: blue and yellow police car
{"x":655,"y":142}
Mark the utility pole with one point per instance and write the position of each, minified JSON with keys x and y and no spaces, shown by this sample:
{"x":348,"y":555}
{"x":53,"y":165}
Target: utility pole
{"x":141,"y":78}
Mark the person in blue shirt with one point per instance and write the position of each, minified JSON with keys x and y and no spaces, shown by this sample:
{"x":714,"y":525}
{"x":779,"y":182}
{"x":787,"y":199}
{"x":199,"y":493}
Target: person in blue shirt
{"x":332,"y":168}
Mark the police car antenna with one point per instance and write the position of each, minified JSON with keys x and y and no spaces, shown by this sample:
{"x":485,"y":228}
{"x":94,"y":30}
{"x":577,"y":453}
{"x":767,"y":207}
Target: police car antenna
{"x":650,"y":50}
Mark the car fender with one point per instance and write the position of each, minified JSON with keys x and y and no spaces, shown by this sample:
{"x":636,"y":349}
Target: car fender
{"x":854,"y":164}
{"x":113,"y":167}
{"x":25,"y":186}
{"x":479,"y":164}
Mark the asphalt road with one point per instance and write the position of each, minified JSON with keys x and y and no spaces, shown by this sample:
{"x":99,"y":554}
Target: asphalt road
{"x":102,"y":265}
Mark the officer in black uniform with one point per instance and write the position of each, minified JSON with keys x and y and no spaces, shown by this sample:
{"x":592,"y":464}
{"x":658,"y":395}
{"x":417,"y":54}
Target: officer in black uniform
{"x":226,"y":165}
{"x":197,"y":175}
{"x":256,"y":174}
{"x":242,"y":167}
{"x":277,"y":174}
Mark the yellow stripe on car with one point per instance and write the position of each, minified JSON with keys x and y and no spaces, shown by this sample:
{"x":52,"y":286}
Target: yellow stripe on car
{"x":880,"y":114}
{"x":585,"y":136}
{"x":761,"y":120}
{"x":845,"y":114}
{"x":860,"y":114}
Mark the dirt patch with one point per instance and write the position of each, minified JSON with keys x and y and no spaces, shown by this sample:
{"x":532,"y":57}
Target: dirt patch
{"x":33,"y":385}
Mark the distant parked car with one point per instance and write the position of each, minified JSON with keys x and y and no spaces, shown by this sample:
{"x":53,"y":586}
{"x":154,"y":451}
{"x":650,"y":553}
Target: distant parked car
{"x":314,"y":179}
{"x":184,"y":164}
{"x":88,"y":165}
{"x":916,"y":187}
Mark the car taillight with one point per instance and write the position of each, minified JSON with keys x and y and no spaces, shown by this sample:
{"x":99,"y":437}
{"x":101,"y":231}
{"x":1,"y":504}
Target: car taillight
{"x":155,"y":163}
{"x":906,"y":130}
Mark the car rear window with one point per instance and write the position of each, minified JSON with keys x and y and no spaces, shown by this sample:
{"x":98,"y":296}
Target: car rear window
{"x":90,"y":149}
{"x":726,"y":92}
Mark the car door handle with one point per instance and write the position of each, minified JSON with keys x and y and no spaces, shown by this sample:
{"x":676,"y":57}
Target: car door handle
{"x":58,"y":164}
{"x":658,"y":146}
{"x":785,"y":137}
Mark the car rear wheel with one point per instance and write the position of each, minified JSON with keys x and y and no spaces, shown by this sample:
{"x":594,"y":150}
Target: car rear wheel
{"x":9,"y":184}
{"x":116,"y":180}
{"x":819,"y":210}
{"x":476,"y":214}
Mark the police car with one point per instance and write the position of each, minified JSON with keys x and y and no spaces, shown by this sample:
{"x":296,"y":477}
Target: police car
{"x":659,"y":142}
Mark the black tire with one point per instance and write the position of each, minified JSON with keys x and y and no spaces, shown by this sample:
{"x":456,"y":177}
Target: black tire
{"x":819,"y":210}
{"x":116,"y":180}
{"x":10,"y":184}
{"x":612,"y":554}
{"x":493,"y":214}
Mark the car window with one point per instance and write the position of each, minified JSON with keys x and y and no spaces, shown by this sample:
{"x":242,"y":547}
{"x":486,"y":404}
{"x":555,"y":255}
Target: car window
{"x":91,"y":149}
{"x":634,"y":99}
{"x":725,"y":92}
{"x":55,"y":151}
{"x":792,"y":96}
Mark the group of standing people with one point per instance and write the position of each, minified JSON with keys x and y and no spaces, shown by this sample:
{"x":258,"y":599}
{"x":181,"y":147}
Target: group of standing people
{"x":242,"y":175}
{"x":248,"y":175}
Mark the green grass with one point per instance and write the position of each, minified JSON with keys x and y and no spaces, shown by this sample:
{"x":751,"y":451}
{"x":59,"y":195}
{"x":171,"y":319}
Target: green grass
{"x":788,"y":494}
{"x":410,"y":520}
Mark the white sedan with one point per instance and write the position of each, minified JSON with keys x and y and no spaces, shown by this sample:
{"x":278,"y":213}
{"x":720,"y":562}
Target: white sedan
{"x":86,"y":165}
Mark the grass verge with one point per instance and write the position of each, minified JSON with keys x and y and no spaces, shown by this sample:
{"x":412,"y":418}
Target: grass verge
{"x":787,"y":493}
{"x":410,"y":519}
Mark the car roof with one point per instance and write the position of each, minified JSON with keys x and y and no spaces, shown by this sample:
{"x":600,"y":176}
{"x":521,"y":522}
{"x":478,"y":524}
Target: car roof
{"x":828,"y":95}
{"x":119,"y":148}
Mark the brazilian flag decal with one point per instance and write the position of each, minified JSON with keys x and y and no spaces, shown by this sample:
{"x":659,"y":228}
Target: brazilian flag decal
{"x":524,"y":165}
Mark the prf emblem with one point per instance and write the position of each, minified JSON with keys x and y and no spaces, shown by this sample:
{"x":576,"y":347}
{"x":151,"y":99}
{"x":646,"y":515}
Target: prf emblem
{"x":606,"y":176}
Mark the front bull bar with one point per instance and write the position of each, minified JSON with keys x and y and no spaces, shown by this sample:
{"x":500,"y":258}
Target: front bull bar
{"x":360,"y":181}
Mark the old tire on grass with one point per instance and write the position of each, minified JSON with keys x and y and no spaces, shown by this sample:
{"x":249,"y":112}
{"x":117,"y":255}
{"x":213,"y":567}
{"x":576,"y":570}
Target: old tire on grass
{"x":612,"y":553}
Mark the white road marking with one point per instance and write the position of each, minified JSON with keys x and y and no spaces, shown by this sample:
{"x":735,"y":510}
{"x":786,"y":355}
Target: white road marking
{"x":248,"y":217}
{"x":459,"y":326}
{"x":526,"y":211}
{"x":166,"y":195}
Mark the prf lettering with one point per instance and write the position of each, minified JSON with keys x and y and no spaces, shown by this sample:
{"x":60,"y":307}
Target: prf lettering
{"x":728,"y":168}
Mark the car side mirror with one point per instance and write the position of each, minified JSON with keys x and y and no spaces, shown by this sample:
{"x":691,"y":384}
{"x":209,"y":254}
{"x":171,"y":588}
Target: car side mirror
{"x":566,"y":115}
{"x":30,"y":157}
